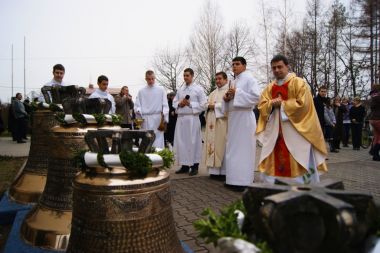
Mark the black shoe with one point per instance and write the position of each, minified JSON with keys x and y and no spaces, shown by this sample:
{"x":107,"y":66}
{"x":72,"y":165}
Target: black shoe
{"x":21,"y":141}
{"x":235,"y":188}
{"x":218,"y":177}
{"x":193,"y":172}
{"x":194,"y":169}
{"x":334,"y":151}
{"x":345,"y":145}
{"x":183,"y":169}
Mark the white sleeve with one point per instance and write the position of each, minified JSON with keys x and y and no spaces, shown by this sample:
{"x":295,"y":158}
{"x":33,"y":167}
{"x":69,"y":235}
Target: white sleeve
{"x":137,"y":106}
{"x":200,"y":104}
{"x":165,"y":106}
{"x":248,"y":95}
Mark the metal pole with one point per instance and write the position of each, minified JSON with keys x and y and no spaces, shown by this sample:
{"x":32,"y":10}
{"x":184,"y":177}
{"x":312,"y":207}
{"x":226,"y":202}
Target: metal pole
{"x":12,"y":70}
{"x":24,"y":70}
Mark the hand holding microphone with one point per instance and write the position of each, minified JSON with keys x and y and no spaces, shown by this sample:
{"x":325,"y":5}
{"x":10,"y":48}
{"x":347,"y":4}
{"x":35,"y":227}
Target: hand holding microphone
{"x":185,"y":101}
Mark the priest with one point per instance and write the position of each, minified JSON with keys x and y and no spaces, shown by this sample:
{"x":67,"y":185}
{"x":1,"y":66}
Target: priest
{"x":239,"y":102}
{"x":216,"y":129}
{"x":190,"y":101}
{"x":152,"y":105}
{"x":288,"y":127}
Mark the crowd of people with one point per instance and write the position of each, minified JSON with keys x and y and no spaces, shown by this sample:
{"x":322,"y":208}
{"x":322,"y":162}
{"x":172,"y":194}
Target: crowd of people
{"x":290,"y":124}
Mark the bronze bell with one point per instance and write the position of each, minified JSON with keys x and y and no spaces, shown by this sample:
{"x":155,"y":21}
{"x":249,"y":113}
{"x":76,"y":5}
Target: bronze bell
{"x":29,"y":184}
{"x":48,"y":224}
{"x":114,"y":213}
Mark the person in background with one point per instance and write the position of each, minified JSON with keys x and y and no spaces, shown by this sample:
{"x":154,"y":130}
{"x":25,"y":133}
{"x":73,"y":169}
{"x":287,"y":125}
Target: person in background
{"x":21,"y":118}
{"x":152,"y":105}
{"x":169,"y":134}
{"x":216,"y":129}
{"x":319,"y":104}
{"x":58,"y":74}
{"x":189,"y":102}
{"x":2,"y":128}
{"x":102,"y":92}
{"x":28,"y":109}
{"x":330,"y":124}
{"x":346,"y":121}
{"x":339,"y":111}
{"x":374,"y":120}
{"x":124,"y":107}
{"x":238,"y":102}
{"x":11,"y":120}
{"x":357,"y":114}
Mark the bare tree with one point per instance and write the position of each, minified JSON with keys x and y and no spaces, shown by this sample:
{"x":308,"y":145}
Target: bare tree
{"x":168,"y":65}
{"x":266,"y":27}
{"x":206,"y":50}
{"x":239,"y":42}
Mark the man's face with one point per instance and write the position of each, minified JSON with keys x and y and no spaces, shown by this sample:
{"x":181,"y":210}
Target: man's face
{"x":238,"y":67}
{"x":103,"y":85}
{"x":322,"y":93}
{"x":19,"y":96}
{"x":125,"y":91}
{"x":187,"y":77}
{"x":150,"y":79}
{"x":220,"y":81}
{"x":58,"y":75}
{"x":279,"y":69}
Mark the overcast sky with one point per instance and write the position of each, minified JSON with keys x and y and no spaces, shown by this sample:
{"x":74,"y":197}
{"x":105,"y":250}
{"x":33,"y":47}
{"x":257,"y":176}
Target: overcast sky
{"x":117,"y":38}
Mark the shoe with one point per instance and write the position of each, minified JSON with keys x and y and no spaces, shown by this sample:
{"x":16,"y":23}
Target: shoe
{"x":21,"y":141}
{"x":235,"y":188}
{"x":193,"y":172}
{"x":183,"y":169}
{"x":334,"y":151}
{"x":194,"y":169}
{"x":218,"y":177}
{"x":345,"y":145}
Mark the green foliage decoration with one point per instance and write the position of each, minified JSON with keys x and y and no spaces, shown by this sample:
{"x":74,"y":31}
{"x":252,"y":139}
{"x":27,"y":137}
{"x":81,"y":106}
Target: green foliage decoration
{"x":138,"y":165}
{"x":167,"y":157}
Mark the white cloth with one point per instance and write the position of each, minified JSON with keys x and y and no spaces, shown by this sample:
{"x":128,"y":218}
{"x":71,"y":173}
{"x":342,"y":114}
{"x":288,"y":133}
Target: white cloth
{"x":104,"y":94}
{"x":241,"y":140}
{"x":150,"y":102}
{"x":53,"y":82}
{"x":187,"y":135}
{"x":301,"y":150}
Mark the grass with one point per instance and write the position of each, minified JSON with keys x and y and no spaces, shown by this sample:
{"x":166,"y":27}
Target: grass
{"x":9,"y":166}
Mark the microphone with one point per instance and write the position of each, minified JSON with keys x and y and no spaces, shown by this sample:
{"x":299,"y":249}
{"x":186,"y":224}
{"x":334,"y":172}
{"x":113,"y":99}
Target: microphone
{"x":187,"y":97}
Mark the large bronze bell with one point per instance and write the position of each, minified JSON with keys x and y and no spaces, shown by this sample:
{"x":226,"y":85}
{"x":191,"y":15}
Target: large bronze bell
{"x":112,"y":212}
{"x":29,"y":184}
{"x":48,"y":224}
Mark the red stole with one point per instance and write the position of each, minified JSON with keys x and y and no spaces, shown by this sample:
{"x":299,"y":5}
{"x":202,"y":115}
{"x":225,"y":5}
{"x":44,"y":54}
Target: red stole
{"x":281,"y":152}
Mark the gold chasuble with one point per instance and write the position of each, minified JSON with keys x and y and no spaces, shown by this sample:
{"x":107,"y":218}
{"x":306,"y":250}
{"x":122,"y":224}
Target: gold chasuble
{"x":293,"y":143}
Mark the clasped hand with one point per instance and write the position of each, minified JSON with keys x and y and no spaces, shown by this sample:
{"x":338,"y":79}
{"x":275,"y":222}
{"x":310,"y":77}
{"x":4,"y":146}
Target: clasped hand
{"x":276,"y":102}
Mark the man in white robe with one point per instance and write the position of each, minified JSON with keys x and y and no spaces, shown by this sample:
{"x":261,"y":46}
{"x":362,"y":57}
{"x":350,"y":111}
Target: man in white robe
{"x":58,"y":74}
{"x":190,"y":101}
{"x":239,"y":102}
{"x":216,"y":129}
{"x":102,"y":92}
{"x":152,"y":105}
